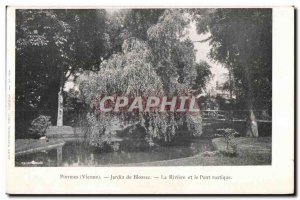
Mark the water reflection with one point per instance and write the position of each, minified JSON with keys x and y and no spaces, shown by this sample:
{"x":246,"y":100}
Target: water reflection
{"x":77,"y":153}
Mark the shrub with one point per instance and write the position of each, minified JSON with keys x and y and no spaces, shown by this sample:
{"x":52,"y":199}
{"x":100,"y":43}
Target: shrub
{"x":39,"y":125}
{"x":230,"y":141}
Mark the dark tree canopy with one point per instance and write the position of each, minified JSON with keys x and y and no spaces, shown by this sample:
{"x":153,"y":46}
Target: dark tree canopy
{"x":203,"y":76}
{"x":51,"y":46}
{"x":242,"y":40}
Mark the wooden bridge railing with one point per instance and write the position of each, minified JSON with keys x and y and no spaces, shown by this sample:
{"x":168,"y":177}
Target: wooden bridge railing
{"x":235,"y":115}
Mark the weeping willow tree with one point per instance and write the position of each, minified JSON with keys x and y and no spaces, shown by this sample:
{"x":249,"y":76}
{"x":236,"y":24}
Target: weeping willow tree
{"x":162,"y":65}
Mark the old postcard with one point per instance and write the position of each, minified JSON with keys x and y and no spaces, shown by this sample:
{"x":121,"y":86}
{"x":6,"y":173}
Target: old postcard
{"x":150,"y":100}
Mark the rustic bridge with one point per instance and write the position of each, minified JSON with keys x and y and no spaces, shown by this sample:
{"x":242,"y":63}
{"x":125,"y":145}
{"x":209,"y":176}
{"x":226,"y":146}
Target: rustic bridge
{"x":214,"y":120}
{"x":235,"y":115}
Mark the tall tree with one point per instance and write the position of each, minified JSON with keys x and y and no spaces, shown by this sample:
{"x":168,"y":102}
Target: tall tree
{"x":51,"y":46}
{"x":161,"y":65}
{"x":242,"y":40}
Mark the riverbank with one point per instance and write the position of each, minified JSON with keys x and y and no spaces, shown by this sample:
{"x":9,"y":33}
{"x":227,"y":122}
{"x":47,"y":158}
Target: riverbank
{"x":251,"y":151}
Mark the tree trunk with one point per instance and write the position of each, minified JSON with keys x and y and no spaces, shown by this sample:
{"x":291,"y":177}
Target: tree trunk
{"x":252,"y":128}
{"x":60,"y":111}
{"x":251,"y":123}
{"x":60,"y":107}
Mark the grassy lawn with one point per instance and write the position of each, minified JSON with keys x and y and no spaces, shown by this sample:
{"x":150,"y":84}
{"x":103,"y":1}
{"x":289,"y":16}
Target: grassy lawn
{"x":251,"y":151}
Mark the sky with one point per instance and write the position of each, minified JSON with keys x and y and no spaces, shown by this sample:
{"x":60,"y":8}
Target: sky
{"x":219,"y":72}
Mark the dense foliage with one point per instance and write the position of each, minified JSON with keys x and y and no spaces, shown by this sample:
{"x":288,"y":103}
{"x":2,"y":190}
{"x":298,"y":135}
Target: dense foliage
{"x":242,"y":40}
{"x":162,"y":65}
{"x":39,"y":126}
{"x":52,"y":46}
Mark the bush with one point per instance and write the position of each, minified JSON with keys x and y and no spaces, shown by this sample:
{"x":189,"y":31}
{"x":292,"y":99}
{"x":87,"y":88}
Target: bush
{"x":39,"y":125}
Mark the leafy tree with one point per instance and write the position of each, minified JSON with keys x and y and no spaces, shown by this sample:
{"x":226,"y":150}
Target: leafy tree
{"x":242,"y":40}
{"x":138,"y":21}
{"x":203,"y":76}
{"x":163,"y":65}
{"x":51,"y":46}
{"x":174,"y":56}
{"x":132,"y":74}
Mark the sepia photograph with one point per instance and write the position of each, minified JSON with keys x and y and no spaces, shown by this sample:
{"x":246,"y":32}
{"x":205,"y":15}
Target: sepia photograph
{"x":150,"y":100}
{"x":143,"y":87}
